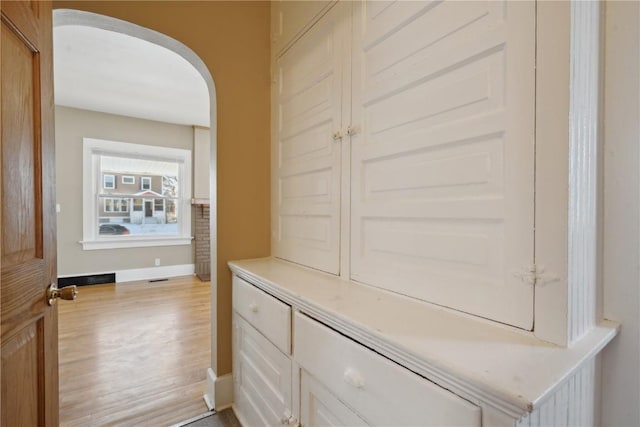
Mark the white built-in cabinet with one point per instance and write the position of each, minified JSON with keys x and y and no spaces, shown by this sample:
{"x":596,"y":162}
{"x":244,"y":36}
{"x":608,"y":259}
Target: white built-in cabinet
{"x":289,"y":19}
{"x":403,"y":151}
{"x":308,"y":108}
{"x":311,"y":349}
{"x":261,"y":356}
{"x":434,"y":211}
{"x":442,"y":160}
{"x":291,"y":369}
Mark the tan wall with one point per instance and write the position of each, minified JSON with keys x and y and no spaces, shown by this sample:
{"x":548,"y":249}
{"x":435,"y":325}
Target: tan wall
{"x":232,"y":38}
{"x":71,"y":126}
{"x":621,"y":227}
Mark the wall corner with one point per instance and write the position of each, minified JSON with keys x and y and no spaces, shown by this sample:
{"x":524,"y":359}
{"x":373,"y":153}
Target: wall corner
{"x":219,"y":393}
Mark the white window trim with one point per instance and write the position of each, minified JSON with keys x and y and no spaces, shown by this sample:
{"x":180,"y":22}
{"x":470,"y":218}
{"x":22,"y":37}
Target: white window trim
{"x":142,"y":181}
{"x":104,"y":182}
{"x":113,"y":203}
{"x":133,"y":179}
{"x":92,"y":149}
{"x":164,"y":205}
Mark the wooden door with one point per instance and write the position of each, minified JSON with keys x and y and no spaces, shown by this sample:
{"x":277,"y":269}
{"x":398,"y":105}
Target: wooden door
{"x":443,"y":166}
{"x":29,"y":346}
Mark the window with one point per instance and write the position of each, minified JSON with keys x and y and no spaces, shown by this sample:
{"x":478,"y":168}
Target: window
{"x":145,"y":183}
{"x":115,"y":205}
{"x":156,"y":214}
{"x":108,"y":182}
{"x":159,"y":205}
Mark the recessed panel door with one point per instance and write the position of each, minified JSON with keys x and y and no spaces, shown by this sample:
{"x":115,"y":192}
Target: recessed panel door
{"x":29,"y":347}
{"x":261,"y":377}
{"x":321,"y":408}
{"x":307,"y":109}
{"x":442,"y":178}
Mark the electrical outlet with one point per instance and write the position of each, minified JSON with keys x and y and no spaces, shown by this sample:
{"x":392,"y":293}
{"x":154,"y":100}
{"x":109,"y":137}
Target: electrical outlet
{"x":157,"y":262}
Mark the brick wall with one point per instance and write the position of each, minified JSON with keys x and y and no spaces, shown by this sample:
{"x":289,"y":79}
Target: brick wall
{"x":202,"y":242}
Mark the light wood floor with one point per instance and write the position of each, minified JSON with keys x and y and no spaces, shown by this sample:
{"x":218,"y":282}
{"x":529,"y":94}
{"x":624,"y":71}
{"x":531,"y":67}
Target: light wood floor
{"x":134,"y":354}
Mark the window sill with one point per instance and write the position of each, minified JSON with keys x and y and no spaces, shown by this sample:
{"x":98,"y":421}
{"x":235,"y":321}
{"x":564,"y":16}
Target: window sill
{"x":134,"y":242}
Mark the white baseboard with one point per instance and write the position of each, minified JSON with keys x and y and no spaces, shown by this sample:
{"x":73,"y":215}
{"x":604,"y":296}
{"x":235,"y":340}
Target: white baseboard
{"x":144,"y":273}
{"x":154,"y":272}
{"x":219,"y":394}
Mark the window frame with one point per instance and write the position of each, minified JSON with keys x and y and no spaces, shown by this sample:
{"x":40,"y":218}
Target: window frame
{"x":133,"y":179}
{"x":93,"y":149}
{"x":104,"y":181}
{"x":113,"y":204}
{"x":144,"y":179}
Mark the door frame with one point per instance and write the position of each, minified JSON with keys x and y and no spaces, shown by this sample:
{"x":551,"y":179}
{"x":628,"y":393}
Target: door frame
{"x":63,"y":17}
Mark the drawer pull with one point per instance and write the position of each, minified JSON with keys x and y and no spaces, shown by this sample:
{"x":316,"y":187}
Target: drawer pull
{"x":253,"y":307}
{"x":353,"y":378}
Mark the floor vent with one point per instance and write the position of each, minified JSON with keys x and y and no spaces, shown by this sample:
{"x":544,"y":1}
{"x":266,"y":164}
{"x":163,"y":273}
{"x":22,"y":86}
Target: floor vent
{"x":93,"y":279}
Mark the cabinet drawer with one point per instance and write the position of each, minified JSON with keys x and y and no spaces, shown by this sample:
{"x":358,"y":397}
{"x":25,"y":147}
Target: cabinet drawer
{"x":261,"y":377}
{"x":264,"y":312}
{"x":380,"y":391}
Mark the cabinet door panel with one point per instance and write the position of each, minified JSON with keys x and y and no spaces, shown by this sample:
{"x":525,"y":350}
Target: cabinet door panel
{"x":321,"y":408}
{"x":442,"y":167}
{"x":289,"y":18}
{"x":307,"y":109}
{"x":261,"y":377}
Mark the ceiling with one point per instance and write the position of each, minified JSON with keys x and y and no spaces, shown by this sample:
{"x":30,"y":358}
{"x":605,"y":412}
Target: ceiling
{"x":110,"y":72}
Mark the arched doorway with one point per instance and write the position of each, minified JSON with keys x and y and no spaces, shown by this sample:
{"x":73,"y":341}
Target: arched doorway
{"x":64,"y":17}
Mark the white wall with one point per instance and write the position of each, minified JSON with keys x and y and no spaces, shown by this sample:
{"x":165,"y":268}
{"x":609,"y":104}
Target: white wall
{"x":621,"y":256}
{"x":71,"y":126}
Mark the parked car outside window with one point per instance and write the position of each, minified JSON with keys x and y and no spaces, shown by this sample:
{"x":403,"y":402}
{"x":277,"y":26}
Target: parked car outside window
{"x":113,"y":229}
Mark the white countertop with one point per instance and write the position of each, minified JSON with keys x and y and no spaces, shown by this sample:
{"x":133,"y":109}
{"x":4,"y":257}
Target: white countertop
{"x":478,"y":359}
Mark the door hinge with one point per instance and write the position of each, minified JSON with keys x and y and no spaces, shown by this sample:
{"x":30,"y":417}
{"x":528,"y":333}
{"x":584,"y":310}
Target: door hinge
{"x":536,"y":275}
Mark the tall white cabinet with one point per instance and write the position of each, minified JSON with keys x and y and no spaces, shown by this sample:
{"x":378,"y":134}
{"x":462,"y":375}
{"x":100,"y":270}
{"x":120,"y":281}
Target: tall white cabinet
{"x":433,"y":221}
{"x":403,"y":151}
{"x":442,"y":173}
{"x":309,"y":110}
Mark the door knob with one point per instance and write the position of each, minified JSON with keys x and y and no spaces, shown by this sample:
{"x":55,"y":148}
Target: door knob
{"x":352,"y":130}
{"x":68,"y":292}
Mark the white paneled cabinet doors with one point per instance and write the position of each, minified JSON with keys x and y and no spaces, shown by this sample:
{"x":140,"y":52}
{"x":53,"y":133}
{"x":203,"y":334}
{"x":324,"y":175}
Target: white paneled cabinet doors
{"x":307,"y":109}
{"x":261,"y":377}
{"x":427,"y":186}
{"x":320,"y":408}
{"x":443,"y":164}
